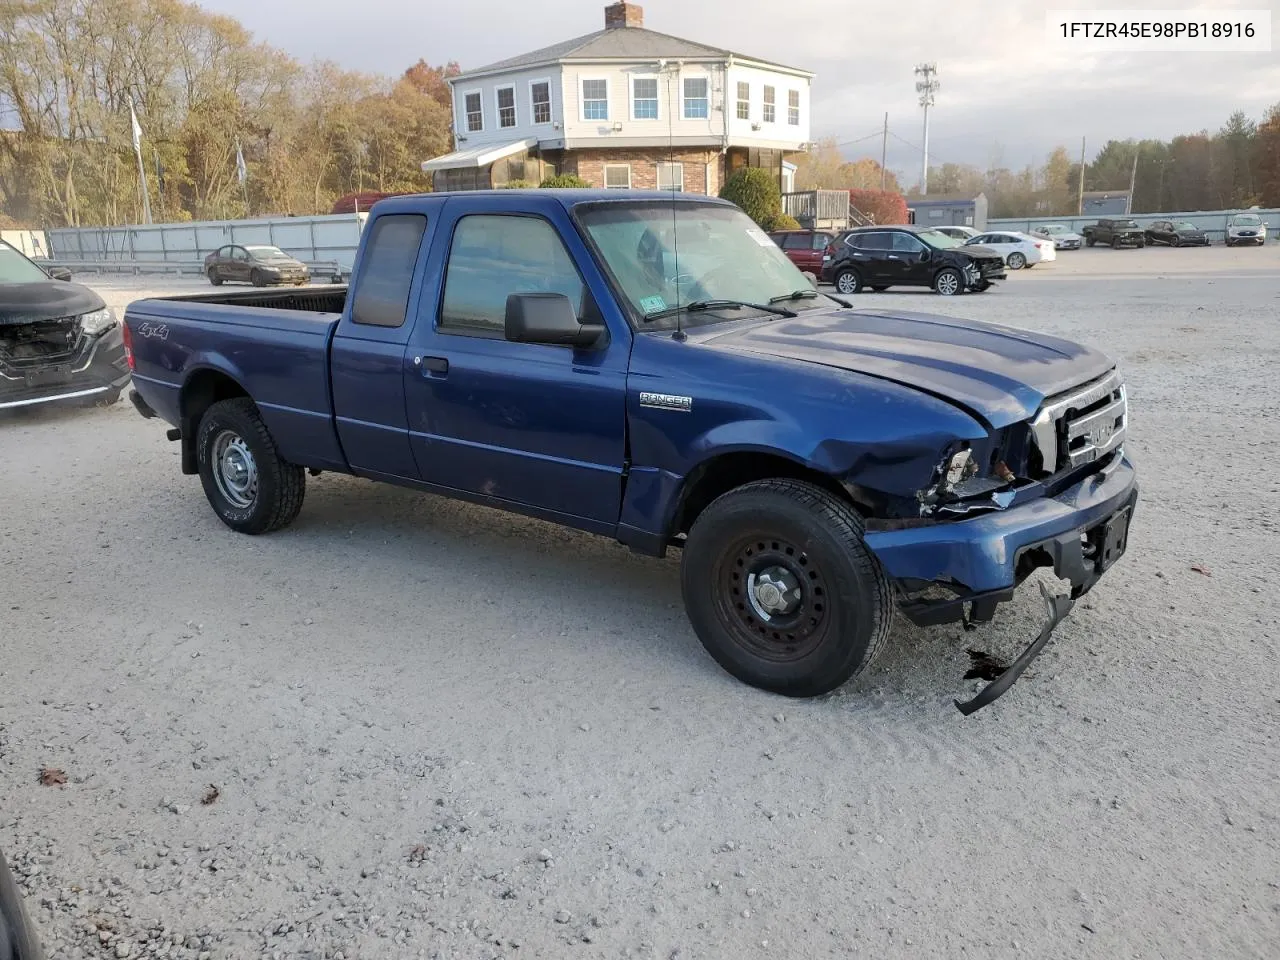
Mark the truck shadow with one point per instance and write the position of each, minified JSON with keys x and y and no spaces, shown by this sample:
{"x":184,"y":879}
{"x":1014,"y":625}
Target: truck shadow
{"x":586,"y":594}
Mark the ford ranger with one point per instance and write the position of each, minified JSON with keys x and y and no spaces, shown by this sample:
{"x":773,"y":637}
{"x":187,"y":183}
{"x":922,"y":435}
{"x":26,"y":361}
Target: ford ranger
{"x":653,"y":368}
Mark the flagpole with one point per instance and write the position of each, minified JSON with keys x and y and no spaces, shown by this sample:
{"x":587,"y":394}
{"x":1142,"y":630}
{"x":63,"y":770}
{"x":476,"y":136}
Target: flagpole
{"x":142,"y":171}
{"x":242,"y":174}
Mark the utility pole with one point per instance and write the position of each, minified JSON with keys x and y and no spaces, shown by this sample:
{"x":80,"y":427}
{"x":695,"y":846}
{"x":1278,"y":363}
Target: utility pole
{"x":1133,"y":179}
{"x":1080,"y":197}
{"x":884,"y":150}
{"x":927,"y":86}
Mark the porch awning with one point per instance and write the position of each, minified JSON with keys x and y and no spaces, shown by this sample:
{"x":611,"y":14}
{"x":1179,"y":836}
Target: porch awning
{"x":477,"y":156}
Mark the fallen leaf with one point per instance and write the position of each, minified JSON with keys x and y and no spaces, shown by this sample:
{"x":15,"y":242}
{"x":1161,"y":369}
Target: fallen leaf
{"x":418,"y":853}
{"x":1203,"y":571}
{"x":210,"y":795}
{"x":52,"y":777}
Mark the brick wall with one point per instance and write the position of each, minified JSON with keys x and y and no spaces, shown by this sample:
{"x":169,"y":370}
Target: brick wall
{"x":590,"y":166}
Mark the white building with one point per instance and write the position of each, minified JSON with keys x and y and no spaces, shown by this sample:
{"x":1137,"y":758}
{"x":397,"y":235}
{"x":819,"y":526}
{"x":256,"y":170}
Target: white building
{"x":624,"y":107}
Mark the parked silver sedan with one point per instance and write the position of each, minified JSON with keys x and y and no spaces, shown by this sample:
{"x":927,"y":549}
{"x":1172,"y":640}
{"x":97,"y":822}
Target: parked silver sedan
{"x":1062,"y":236}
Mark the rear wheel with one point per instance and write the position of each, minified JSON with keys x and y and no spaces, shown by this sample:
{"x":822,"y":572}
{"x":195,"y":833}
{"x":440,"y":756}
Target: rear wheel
{"x":1016,"y":261}
{"x":948,"y":282}
{"x":255,"y":277}
{"x":214,"y":277}
{"x":781,"y":589}
{"x":849,"y":281}
{"x":250,"y":486}
{"x":1176,"y":241}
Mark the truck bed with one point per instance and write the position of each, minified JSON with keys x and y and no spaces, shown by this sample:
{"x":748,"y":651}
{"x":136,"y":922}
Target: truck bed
{"x":311,"y":299}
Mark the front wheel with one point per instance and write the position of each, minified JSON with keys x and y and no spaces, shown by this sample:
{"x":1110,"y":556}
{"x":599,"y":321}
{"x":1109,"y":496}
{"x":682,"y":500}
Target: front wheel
{"x":782,"y":590}
{"x":849,"y":282}
{"x":1089,"y":241}
{"x":948,"y":283}
{"x":250,"y":486}
{"x":1016,"y":261}
{"x":1115,"y":243}
{"x":255,"y":278}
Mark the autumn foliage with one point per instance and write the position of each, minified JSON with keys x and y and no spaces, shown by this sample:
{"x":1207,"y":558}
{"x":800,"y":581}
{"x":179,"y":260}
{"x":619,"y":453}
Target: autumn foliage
{"x":882,"y":206}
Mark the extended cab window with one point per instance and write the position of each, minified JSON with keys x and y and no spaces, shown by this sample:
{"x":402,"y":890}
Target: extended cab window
{"x":492,"y":257}
{"x":386,"y":270}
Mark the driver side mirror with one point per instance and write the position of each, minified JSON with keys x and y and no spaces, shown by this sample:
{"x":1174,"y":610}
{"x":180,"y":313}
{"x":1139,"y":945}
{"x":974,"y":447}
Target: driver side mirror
{"x":548,"y":318}
{"x":58,"y":273}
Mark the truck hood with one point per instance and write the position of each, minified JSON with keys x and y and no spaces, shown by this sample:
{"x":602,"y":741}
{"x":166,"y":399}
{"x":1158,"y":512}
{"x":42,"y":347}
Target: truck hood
{"x":45,"y":300}
{"x":999,"y":374}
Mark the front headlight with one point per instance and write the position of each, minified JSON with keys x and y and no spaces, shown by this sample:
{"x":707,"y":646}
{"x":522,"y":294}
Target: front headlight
{"x":100,"y":321}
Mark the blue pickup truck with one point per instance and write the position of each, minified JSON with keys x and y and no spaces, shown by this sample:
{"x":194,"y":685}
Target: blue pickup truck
{"x":652,"y":368}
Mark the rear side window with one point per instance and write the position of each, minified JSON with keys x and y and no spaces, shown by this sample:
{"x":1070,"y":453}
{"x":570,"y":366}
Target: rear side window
{"x":386,"y":270}
{"x":820,"y":241}
{"x":796,"y":241}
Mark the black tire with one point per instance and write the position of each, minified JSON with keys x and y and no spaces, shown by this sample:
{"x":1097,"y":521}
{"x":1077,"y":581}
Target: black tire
{"x":848,"y":281}
{"x":880,"y":289}
{"x":18,"y":938}
{"x":274,"y":500}
{"x":1175,"y":241}
{"x":214,"y":277}
{"x":843,"y":616}
{"x":1227,"y":242}
{"x":948,"y":287}
{"x":1116,"y":243}
{"x":1016,"y":261}
{"x":1089,"y":241}
{"x":255,"y":278}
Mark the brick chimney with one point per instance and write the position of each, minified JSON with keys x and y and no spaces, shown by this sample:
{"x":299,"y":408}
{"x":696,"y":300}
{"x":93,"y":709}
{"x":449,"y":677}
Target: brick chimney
{"x":623,"y":15}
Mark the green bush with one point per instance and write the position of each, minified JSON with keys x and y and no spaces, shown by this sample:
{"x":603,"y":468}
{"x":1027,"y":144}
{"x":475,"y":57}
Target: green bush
{"x":518,"y":185}
{"x":566,"y":181}
{"x":781,"y":221}
{"x":756,"y":192}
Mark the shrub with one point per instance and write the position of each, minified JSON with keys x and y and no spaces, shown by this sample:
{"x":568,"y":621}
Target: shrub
{"x":565,"y":181}
{"x":883,"y":206}
{"x":781,"y":221}
{"x":518,"y":185}
{"x":756,"y":192}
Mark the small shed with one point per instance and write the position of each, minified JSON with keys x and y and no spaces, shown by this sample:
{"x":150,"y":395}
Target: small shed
{"x":1105,"y":203}
{"x":949,"y":210}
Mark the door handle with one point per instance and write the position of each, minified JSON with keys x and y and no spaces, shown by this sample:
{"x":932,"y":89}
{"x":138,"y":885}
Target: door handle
{"x":435,"y":365}
{"x":892,"y":257}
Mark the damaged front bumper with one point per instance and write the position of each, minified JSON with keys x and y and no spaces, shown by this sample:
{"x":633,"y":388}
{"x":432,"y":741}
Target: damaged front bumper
{"x":963,"y":570}
{"x":94,"y":369}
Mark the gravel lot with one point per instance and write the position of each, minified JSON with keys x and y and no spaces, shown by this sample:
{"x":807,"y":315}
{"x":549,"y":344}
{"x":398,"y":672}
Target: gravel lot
{"x":436,"y":730}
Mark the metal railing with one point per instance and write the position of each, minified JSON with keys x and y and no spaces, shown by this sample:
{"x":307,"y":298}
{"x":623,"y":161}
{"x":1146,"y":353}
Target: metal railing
{"x":320,"y":269}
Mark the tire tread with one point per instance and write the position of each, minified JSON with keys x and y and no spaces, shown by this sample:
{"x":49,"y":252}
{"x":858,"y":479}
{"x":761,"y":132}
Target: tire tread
{"x":289,"y":480}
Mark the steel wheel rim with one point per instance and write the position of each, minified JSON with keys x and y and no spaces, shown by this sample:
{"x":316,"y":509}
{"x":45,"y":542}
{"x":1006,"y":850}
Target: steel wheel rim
{"x":771,"y":598}
{"x":847,"y":283}
{"x":948,"y":283}
{"x":1017,"y":261}
{"x":235,"y":472}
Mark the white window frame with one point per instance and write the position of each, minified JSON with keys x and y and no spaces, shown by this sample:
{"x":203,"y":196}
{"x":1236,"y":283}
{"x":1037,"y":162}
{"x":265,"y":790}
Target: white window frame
{"x":685,"y":98}
{"x":675,"y":166}
{"x":466,"y":114}
{"x":770,"y":97}
{"x":497,"y":106}
{"x":533,"y":107}
{"x":740,"y":102}
{"x":793,"y":113}
{"x":657,"y":97}
{"x":604,"y":174}
{"x":582,"y":99}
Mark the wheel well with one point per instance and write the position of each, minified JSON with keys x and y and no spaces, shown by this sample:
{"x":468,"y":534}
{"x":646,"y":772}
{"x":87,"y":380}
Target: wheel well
{"x":731,"y":470}
{"x":199,"y":393}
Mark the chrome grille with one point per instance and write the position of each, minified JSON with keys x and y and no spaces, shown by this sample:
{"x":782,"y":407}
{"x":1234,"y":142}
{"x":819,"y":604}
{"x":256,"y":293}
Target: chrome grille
{"x":1082,"y":425}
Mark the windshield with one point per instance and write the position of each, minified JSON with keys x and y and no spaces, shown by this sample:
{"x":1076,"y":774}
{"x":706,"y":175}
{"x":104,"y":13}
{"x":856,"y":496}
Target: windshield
{"x":1247,"y":220}
{"x":1183,"y":225}
{"x":15,"y":268}
{"x":1125,"y":224}
{"x":265,"y":253}
{"x":1053,"y":228}
{"x":936,"y":238}
{"x":668,"y":255}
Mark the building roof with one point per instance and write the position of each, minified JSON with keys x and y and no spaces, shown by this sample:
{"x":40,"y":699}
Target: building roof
{"x":476,"y":157}
{"x":943,"y":198}
{"x":619,"y":43}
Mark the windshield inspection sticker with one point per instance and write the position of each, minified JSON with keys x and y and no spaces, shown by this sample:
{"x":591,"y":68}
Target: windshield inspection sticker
{"x":652,"y":304}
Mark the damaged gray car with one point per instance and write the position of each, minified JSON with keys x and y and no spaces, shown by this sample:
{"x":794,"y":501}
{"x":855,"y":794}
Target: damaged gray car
{"x":59,"y":343}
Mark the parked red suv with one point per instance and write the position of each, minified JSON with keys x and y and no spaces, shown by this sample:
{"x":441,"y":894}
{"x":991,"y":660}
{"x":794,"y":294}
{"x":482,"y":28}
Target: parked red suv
{"x":804,"y":247}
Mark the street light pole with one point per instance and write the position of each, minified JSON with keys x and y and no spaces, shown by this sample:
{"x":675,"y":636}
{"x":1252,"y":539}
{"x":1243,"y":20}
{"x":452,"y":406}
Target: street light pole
{"x":926,"y":86}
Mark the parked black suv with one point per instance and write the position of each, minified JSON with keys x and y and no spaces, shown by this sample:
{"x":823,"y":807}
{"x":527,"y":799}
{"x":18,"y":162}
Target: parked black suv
{"x":1176,"y":233}
{"x":1117,"y":233}
{"x":884,"y":257}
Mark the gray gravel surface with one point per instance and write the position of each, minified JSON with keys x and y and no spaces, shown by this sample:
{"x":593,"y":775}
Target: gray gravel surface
{"x":436,"y":730}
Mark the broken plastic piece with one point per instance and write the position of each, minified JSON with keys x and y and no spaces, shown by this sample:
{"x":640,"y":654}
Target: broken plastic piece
{"x":1058,"y":607}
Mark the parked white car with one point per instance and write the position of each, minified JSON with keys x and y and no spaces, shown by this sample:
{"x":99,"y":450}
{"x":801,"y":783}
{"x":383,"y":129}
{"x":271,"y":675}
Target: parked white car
{"x":1062,"y":236}
{"x":1246,"y":228}
{"x":1018,"y":249}
{"x":962,"y":234}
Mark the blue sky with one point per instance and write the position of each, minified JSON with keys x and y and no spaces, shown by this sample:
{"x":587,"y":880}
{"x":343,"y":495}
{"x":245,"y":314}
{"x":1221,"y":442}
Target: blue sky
{"x":1004,"y":93}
